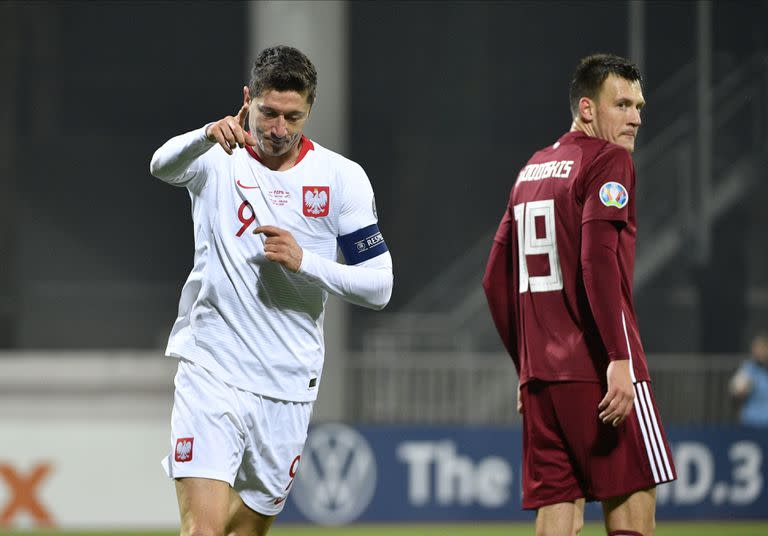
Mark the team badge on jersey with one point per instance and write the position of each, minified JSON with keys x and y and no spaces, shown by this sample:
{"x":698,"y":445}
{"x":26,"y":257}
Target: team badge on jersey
{"x":317,"y":200}
{"x":184,"y":449}
{"x":613,"y":194}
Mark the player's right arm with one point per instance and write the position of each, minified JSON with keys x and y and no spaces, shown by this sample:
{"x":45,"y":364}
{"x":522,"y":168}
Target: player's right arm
{"x":498,"y":284}
{"x":174,"y":162}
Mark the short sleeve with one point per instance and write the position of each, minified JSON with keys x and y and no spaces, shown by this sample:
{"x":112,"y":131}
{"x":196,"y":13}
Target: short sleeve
{"x":608,"y":191}
{"x":358,"y":208}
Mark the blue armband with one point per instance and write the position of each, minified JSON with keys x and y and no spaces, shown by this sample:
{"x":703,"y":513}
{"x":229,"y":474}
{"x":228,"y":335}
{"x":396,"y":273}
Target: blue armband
{"x":363,"y":244}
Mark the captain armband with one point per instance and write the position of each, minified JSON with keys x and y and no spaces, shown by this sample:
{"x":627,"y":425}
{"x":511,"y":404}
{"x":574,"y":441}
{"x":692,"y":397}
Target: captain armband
{"x":363,"y":244}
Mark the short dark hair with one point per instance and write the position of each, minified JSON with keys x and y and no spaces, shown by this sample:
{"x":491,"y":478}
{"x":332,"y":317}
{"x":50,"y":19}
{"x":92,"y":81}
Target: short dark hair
{"x":283,"y":68}
{"x":592,"y":72}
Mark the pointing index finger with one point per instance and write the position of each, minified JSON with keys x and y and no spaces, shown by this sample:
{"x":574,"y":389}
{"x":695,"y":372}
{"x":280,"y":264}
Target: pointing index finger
{"x":268,"y":230}
{"x":240,"y":117}
{"x":244,"y":110}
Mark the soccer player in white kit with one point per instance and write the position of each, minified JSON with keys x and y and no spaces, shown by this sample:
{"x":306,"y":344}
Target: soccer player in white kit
{"x":270,"y":207}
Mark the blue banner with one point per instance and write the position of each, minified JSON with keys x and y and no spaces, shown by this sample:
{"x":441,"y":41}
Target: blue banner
{"x":381,"y":474}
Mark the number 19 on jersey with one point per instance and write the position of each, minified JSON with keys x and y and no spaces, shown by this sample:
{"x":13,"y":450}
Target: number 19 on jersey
{"x":528,"y":243}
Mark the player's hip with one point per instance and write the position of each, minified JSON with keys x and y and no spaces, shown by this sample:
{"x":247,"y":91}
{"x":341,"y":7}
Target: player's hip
{"x":568,"y":451}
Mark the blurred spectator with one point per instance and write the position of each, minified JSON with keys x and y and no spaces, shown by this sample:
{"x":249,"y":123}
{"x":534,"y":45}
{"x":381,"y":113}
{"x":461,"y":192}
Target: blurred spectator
{"x":749,"y":384}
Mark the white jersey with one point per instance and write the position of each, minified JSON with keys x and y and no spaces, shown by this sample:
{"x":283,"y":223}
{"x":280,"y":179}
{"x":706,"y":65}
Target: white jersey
{"x":250,"y":321}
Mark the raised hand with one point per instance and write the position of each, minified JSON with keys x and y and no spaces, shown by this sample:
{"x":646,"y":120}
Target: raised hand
{"x":230,"y":132}
{"x":281,"y":247}
{"x":620,"y":398}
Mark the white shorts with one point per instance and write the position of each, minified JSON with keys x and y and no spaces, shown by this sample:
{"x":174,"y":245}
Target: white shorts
{"x":224,"y":433}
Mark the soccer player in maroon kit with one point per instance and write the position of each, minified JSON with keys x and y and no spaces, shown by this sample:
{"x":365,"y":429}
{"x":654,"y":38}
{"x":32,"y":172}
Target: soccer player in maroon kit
{"x":559,"y":287}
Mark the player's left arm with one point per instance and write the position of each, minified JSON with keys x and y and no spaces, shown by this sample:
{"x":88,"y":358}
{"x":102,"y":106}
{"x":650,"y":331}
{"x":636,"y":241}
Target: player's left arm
{"x":368,"y":283}
{"x":602,"y":282}
{"x":366,"y":279}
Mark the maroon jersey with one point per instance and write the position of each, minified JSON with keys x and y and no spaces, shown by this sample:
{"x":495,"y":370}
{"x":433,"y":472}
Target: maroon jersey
{"x":534,"y":282}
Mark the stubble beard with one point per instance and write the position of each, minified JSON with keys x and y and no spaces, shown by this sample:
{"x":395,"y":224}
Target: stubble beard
{"x":265,"y":142}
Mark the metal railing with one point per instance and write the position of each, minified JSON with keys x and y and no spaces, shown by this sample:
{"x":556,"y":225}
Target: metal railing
{"x":379,"y":388}
{"x":480,"y":388}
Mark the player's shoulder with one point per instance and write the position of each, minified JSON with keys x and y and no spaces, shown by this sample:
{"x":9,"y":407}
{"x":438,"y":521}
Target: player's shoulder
{"x":215,"y":156}
{"x":589,"y":146}
{"x":344,"y":173}
{"x":617,"y":160}
{"x":337,"y":161}
{"x":614,"y":152}
{"x":216,"y":162}
{"x":569,"y":144}
{"x":600,"y":152}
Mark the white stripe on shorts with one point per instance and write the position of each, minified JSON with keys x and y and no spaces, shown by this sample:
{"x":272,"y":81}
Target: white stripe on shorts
{"x":646,"y":416}
{"x":657,"y":431}
{"x":641,"y":420}
{"x":654,"y":442}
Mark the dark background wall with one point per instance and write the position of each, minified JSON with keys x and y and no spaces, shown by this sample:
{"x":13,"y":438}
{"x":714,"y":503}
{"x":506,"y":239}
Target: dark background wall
{"x":103,"y":248}
{"x":447,"y":101}
{"x":449,"y":115}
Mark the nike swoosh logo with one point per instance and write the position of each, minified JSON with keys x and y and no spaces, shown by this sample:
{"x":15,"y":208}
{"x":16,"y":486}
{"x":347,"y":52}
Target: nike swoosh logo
{"x":241,"y":185}
{"x":279,"y":500}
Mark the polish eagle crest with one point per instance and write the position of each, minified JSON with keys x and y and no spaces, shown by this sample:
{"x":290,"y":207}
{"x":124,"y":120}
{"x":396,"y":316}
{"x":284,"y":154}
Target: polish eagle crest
{"x":316,"y":201}
{"x":184,"y":449}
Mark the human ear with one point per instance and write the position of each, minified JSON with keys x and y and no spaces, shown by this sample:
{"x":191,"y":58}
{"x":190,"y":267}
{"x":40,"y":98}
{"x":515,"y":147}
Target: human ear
{"x":586,"y":109}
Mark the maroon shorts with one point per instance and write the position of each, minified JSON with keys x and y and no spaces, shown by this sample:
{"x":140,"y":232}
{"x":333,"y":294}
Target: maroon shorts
{"x":568,"y":453}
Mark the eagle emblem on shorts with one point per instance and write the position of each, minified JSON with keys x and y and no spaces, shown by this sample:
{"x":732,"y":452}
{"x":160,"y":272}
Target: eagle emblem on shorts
{"x":184,"y":449}
{"x":316,"y":200}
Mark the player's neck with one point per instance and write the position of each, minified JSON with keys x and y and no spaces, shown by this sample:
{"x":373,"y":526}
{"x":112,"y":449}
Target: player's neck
{"x":586,"y":128}
{"x":282,"y":162}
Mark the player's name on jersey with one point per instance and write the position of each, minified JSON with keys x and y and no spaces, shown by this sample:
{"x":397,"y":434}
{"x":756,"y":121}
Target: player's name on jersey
{"x":559,"y":169}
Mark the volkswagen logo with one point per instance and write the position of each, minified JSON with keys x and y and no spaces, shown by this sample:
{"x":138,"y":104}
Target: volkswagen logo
{"x":337,"y":477}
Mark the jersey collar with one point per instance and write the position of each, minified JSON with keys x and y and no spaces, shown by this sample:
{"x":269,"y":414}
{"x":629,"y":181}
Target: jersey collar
{"x":572,"y":135}
{"x":306,"y":146}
